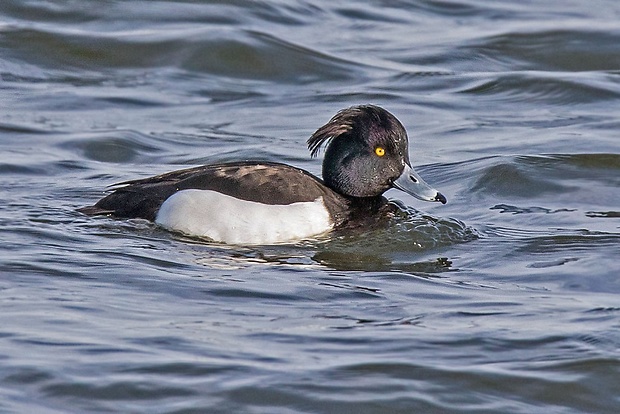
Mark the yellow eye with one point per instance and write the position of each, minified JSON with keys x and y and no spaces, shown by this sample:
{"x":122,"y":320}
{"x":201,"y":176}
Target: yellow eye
{"x":380,"y":151}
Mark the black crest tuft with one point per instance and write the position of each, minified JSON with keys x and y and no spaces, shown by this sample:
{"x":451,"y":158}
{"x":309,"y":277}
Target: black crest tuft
{"x":341,"y":123}
{"x":354,"y":120}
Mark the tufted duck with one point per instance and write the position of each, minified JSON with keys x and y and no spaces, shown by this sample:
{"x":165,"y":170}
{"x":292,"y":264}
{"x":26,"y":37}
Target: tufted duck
{"x":251,"y":202}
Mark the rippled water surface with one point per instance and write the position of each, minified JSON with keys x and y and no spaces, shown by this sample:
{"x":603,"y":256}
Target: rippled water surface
{"x":505,"y":300}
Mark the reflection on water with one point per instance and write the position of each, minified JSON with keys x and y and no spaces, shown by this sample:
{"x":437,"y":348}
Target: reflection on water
{"x":503,"y":300}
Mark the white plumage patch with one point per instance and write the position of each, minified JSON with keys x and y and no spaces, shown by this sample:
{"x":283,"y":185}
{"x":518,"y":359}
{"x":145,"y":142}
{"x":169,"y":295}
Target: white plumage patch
{"x":227,"y":219}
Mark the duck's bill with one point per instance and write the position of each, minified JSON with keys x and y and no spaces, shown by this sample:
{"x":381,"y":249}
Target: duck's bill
{"x":411,"y":183}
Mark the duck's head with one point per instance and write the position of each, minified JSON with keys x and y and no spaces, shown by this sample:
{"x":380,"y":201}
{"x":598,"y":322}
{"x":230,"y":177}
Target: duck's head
{"x":367,"y":154}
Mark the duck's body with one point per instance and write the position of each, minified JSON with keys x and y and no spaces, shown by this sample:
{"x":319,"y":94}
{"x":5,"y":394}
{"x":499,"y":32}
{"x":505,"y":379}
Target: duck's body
{"x":262,"y":202}
{"x":240,"y":203}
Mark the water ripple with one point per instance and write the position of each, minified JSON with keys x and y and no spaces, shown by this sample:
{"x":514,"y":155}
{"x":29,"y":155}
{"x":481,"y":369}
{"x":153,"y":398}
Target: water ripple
{"x":553,"y":88}
{"x":247,"y":54}
{"x":533,"y":176}
{"x":554,"y":49}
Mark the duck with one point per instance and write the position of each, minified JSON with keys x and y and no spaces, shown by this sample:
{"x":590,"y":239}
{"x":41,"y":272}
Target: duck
{"x":259,"y":203}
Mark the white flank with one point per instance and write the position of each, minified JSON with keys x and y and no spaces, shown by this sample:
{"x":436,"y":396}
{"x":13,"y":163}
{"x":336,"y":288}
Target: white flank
{"x":227,"y":219}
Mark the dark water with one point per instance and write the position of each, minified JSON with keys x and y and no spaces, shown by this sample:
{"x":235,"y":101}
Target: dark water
{"x":505,"y":300}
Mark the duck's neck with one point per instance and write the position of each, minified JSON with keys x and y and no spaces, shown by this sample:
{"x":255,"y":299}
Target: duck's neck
{"x":364,"y":211}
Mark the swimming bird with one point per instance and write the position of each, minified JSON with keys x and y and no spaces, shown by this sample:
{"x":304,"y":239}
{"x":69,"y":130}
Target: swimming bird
{"x":256,"y":202}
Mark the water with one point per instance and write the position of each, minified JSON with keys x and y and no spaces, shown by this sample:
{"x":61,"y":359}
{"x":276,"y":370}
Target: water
{"x":505,"y":300}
